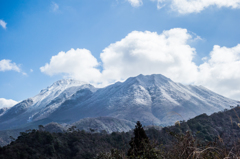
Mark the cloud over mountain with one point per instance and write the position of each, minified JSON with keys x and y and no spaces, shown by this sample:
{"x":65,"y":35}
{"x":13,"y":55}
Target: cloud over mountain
{"x":78,"y":64}
{"x":137,"y":53}
{"x":168,"y":53}
{"x":148,"y":53}
{"x":221,"y":71}
{"x":7,"y":102}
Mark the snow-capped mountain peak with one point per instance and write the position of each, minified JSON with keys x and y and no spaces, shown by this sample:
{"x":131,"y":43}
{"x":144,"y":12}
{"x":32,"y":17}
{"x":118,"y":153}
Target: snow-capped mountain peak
{"x":68,"y":82}
{"x":63,"y":84}
{"x":57,"y":88}
{"x":148,"y":80}
{"x":151,"y":99}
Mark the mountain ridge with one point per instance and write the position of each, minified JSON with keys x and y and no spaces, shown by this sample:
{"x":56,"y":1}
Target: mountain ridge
{"x":151,"y":99}
{"x":133,"y":92}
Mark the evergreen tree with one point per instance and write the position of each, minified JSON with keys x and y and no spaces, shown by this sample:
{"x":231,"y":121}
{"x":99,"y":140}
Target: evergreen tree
{"x":140,"y":145}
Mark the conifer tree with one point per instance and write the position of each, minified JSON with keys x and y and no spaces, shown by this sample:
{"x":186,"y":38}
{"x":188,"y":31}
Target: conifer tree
{"x":140,"y":145}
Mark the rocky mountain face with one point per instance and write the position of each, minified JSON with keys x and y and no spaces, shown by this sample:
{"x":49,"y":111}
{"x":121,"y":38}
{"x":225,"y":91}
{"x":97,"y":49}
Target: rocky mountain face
{"x":152,"y":99}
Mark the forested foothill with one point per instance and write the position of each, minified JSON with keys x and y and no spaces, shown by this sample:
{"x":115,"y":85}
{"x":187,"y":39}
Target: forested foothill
{"x":214,"y":136}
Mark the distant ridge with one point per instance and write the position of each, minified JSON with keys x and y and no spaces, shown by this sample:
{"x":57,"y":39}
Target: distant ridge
{"x":151,"y":99}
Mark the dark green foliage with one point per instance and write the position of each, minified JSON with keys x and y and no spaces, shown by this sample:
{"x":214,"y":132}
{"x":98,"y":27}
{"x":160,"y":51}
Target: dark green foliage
{"x":138,"y":142}
{"x":74,"y":144}
{"x":204,"y":137}
{"x":140,"y":146}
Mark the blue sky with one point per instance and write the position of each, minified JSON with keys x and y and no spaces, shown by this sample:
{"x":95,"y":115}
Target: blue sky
{"x":107,"y":37}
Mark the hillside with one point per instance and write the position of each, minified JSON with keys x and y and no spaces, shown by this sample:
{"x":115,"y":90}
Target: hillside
{"x":96,"y":125}
{"x":220,"y":130}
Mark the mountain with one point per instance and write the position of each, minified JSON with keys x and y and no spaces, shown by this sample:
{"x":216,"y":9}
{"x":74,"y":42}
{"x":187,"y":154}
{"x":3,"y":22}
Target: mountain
{"x":42,"y":105}
{"x":3,"y":110}
{"x":152,"y":99}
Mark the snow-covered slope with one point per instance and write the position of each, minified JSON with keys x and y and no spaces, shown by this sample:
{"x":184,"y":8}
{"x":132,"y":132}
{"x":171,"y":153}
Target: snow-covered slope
{"x":66,"y":87}
{"x":52,"y":97}
{"x":152,"y":99}
{"x":3,"y":110}
{"x":43,"y":104}
{"x":99,"y":124}
{"x":107,"y":124}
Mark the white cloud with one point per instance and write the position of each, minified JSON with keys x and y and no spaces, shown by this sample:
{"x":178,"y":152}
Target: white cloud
{"x":160,"y":3}
{"x":192,"y":6}
{"x":196,"y":6}
{"x":79,"y":64}
{"x":7,"y":65}
{"x":221,"y":71}
{"x":138,"y":53}
{"x":168,"y":53}
{"x":3,"y":24}
{"x":24,"y":73}
{"x":7,"y":103}
{"x":31,"y":70}
{"x":149,"y":53}
{"x":54,"y":7}
{"x":135,"y":3}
